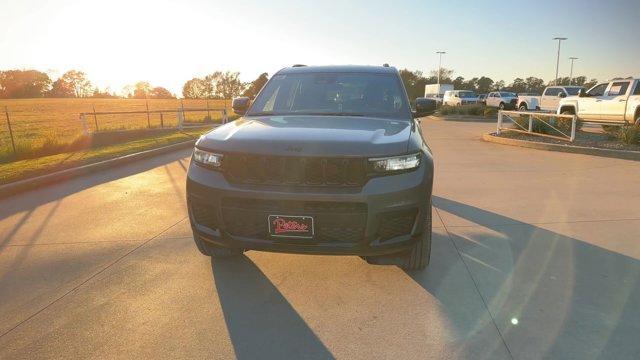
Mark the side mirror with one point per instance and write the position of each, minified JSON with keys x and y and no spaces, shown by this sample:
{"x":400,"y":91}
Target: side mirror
{"x":582,"y":93}
{"x":424,"y":107}
{"x":240,"y":105}
{"x":562,"y":95}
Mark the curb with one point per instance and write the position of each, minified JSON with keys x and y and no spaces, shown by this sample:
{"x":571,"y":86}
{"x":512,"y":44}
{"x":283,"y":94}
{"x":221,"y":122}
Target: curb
{"x":618,"y":154}
{"x":20,"y":186}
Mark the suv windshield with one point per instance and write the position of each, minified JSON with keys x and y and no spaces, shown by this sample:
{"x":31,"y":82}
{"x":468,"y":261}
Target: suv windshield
{"x":357,"y":94}
{"x":507,"y":94}
{"x":467,"y":94}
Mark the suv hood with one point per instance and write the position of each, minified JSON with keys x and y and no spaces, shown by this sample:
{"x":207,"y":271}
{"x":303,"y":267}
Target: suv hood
{"x":295,"y":135}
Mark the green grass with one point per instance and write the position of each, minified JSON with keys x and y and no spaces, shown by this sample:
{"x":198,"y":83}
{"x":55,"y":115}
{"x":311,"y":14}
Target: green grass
{"x":22,"y":169}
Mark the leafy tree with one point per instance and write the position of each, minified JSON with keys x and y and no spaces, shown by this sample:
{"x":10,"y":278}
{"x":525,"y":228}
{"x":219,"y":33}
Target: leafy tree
{"x":23,"y":84}
{"x":484,"y":85}
{"x":159,"y":92}
{"x":445,"y":75}
{"x":414,"y":82}
{"x":256,"y":85}
{"x":194,"y":89}
{"x":591,"y":83}
{"x":458,"y":83}
{"x":228,"y":85}
{"x":499,"y":85}
{"x":77,"y":80}
{"x":534,"y":85}
{"x":61,"y":89}
{"x":518,"y":85}
{"x":141,"y":90}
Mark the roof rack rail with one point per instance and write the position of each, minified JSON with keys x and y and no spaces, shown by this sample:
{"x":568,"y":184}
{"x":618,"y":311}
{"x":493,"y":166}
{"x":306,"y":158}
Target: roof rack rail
{"x":299,"y":65}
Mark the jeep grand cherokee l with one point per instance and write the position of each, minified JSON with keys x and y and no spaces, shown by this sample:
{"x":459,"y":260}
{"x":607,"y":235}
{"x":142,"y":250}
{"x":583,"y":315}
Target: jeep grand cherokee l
{"x":326,"y":160}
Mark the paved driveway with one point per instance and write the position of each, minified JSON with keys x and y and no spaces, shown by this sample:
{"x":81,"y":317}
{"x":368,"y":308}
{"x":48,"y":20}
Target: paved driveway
{"x":535,"y":255}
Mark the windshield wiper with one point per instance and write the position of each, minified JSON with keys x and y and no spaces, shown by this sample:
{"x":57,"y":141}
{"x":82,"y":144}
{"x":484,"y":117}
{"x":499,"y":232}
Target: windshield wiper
{"x":261,"y":113}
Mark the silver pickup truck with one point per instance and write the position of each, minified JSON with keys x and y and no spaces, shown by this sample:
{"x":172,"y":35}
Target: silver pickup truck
{"x":616,"y":101}
{"x":549,"y":100}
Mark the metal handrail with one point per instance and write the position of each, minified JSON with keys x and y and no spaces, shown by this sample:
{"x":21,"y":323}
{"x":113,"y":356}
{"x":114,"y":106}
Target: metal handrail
{"x":538,"y":116}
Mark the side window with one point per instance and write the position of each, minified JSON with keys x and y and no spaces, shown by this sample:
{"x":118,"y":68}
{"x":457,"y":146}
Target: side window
{"x":637,"y":90}
{"x":552,"y":92}
{"x":618,"y":88}
{"x":598,"y":90}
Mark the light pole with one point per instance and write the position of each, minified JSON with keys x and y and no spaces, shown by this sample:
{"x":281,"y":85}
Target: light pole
{"x":571,"y":72}
{"x":440,"y":64}
{"x":558,"y":59}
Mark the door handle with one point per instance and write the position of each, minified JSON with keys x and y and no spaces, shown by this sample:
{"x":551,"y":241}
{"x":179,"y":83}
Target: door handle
{"x":622,"y":100}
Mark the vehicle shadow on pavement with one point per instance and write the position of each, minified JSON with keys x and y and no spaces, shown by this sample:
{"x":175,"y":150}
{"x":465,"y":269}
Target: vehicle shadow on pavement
{"x":32,"y":199}
{"x":550,"y":295}
{"x":262,"y":324}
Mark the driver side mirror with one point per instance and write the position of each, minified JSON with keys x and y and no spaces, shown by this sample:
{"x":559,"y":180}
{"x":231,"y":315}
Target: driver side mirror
{"x":424,"y":107}
{"x":240,"y":105}
{"x":562,"y":95}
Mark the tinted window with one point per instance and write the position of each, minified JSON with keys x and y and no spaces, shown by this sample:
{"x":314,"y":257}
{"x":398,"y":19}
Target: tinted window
{"x":467,"y":94}
{"x":637,"y":90}
{"x":552,"y":92}
{"x":333,"y":93}
{"x":573,"y":90}
{"x":618,"y":88}
{"x":507,"y":94}
{"x":598,"y":90}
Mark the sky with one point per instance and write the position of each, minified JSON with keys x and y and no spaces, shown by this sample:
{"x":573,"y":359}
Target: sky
{"x":120,"y":42}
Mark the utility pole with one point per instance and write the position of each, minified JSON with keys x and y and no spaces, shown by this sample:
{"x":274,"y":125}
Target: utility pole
{"x":560,"y":39}
{"x":440,"y":64}
{"x":571,"y":73}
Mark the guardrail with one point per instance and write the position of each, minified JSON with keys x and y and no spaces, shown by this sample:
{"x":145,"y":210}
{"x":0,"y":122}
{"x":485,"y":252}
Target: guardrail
{"x":180,"y":114}
{"x":502,"y":114}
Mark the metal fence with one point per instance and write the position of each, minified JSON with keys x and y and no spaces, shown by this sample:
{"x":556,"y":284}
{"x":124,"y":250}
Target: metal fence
{"x":546,"y":118}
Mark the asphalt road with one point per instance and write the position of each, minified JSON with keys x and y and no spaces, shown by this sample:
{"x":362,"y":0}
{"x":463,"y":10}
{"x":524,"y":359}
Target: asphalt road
{"x":535,"y":255}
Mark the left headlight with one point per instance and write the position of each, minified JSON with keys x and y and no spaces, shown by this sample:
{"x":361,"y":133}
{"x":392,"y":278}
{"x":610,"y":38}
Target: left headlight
{"x":207,"y":158}
{"x":396,"y":163}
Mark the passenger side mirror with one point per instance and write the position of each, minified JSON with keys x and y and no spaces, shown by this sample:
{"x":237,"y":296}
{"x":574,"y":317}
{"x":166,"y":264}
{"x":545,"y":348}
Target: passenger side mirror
{"x":562,"y":95}
{"x":424,"y":107}
{"x":240,"y":105}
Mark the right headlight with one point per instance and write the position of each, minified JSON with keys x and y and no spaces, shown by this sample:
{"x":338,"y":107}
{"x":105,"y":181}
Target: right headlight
{"x":207,"y":158}
{"x":395,"y":163}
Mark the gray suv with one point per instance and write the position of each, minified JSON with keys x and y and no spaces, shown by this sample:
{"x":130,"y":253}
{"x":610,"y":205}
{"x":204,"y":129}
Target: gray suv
{"x":325,"y":160}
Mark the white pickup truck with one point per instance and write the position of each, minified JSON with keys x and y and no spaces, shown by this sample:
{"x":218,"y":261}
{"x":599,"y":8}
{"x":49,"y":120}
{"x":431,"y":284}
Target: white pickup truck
{"x":549,"y":100}
{"x":616,"y":101}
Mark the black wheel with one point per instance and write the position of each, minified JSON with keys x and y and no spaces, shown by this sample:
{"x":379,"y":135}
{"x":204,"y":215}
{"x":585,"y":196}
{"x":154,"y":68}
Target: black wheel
{"x":637,"y":122}
{"x":501,"y":106}
{"x":523,"y":107}
{"x":418,"y":257}
{"x":215,"y":251}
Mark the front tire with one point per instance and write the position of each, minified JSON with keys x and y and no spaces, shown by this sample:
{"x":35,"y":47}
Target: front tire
{"x":523,"y":107}
{"x":215,"y":251}
{"x":419,"y":256}
{"x":501,"y":106}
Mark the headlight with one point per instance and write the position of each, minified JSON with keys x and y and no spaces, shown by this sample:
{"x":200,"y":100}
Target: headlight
{"x":396,"y":163}
{"x":206,"y":158}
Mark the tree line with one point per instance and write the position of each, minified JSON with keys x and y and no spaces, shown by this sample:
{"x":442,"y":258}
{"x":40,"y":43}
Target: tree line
{"x":414,"y":81}
{"x":21,"y":84}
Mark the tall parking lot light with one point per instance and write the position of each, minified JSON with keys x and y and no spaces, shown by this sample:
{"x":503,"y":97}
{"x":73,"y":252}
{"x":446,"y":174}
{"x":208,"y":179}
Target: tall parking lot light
{"x":571,"y":72}
{"x":440,"y":64}
{"x":558,"y":58}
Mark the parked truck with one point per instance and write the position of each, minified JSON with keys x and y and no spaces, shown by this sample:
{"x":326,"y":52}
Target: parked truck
{"x":436,"y":91}
{"x":616,"y":102}
{"x":549,"y":100}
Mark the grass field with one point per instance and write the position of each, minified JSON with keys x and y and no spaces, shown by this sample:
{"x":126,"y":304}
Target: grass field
{"x":41,"y":124}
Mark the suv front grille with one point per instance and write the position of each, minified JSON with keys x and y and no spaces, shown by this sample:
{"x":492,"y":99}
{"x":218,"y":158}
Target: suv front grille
{"x":280,"y":170}
{"x":334,"y":222}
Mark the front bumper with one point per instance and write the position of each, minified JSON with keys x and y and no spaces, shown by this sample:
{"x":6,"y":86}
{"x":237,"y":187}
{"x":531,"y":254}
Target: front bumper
{"x":236,"y":209}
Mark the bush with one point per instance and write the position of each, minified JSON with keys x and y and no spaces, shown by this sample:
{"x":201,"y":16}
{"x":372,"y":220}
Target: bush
{"x":629,"y":134}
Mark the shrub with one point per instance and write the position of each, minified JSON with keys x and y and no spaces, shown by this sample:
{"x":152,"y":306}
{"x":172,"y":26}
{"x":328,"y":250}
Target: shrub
{"x":629,"y":134}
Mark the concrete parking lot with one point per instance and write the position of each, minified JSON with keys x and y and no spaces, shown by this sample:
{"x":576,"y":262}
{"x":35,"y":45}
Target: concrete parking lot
{"x":535,"y":255}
